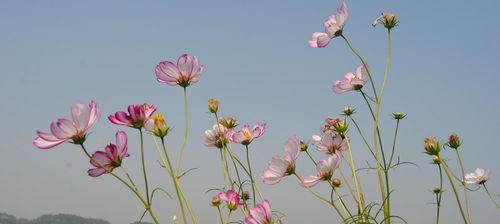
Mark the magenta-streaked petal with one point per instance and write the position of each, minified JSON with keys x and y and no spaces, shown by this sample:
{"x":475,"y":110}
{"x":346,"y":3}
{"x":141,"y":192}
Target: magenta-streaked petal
{"x":81,"y":116}
{"x":185,"y":65}
{"x":121,"y":141}
{"x":120,"y":118}
{"x":310,"y":181}
{"x":292,"y":147}
{"x":100,"y":158}
{"x":95,"y":172}
{"x":341,"y":87}
{"x":94,"y":114}
{"x":47,"y":136}
{"x":56,"y":131}
{"x":44,"y":144}
{"x":258,"y":130}
{"x":319,"y":40}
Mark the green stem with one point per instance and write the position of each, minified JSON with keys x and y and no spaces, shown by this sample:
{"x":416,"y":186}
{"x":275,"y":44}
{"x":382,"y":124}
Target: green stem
{"x":394,"y":143}
{"x":174,"y":180}
{"x":439,"y":194}
{"x":250,"y":173}
{"x":364,"y":138}
{"x":310,"y":157}
{"x":355,"y":176}
{"x":143,"y":162}
{"x":340,"y":199}
{"x":220,"y":215}
{"x":128,"y":176}
{"x":466,"y":192}
{"x":491,"y":197}
{"x":134,"y":190}
{"x":447,"y":171}
{"x":186,"y":129}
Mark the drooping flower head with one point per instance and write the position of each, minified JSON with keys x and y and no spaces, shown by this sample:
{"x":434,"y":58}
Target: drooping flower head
{"x":351,"y":81}
{"x":231,"y":198}
{"x":245,"y":136}
{"x":330,"y":143}
{"x":217,"y":137}
{"x":83,"y":118}
{"x":388,"y":19}
{"x":136,"y":118}
{"x":479,"y":176}
{"x":324,"y":169}
{"x":332,"y":28}
{"x":261,"y":214}
{"x":281,"y":166}
{"x":157,"y":126}
{"x":186,"y":72}
{"x":111,"y":157}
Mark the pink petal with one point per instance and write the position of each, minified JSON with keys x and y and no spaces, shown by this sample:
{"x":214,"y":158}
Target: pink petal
{"x":95,"y":172}
{"x":94,"y":114}
{"x":81,"y":116}
{"x":310,"y":181}
{"x":44,"y":144}
{"x":185,"y":65}
{"x":121,"y":141}
{"x":167,"y":72}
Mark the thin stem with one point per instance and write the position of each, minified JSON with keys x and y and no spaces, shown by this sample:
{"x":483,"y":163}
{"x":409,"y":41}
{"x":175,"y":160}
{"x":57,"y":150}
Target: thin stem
{"x":355,"y":176}
{"x":310,"y":157}
{"x":340,"y":199}
{"x":136,"y":192}
{"x":446,"y":170}
{"x":439,"y":195}
{"x":346,"y":181}
{"x":186,"y":129}
{"x":220,"y":215}
{"x":394,"y":143}
{"x":491,"y":196}
{"x":250,"y":173}
{"x":466,"y":192}
{"x":128,"y":176}
{"x":188,"y":205}
{"x":364,"y":139}
{"x":143,"y":162}
{"x":174,"y":180}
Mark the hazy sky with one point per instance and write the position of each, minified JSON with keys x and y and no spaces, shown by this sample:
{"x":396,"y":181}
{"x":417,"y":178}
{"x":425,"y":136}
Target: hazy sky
{"x":56,"y":53}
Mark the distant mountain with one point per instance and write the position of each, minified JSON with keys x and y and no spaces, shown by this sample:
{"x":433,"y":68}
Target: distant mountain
{"x":54,"y":219}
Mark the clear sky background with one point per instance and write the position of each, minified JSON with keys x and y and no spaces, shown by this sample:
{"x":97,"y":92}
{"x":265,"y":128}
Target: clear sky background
{"x":56,"y":53}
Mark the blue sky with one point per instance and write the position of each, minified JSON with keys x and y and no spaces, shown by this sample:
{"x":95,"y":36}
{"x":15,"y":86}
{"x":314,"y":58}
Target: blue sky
{"x":56,"y":53}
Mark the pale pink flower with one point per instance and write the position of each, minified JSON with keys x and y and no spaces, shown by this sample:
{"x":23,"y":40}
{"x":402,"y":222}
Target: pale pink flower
{"x":261,"y":214}
{"x":281,"y":166}
{"x":330,"y":143}
{"x":479,"y":176}
{"x":324,"y":169}
{"x":333,"y":28}
{"x":245,"y":136}
{"x":186,"y":72}
{"x":232,"y":199}
{"x":216,"y":137}
{"x":351,"y":81}
{"x":111,"y":157}
{"x":137,"y":116}
{"x":84,"y":117}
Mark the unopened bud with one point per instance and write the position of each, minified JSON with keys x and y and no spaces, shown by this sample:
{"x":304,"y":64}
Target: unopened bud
{"x":431,"y":146}
{"x":303,"y":146}
{"x":216,"y":201}
{"x":348,"y":111}
{"x":245,"y":195}
{"x":213,"y":105}
{"x":229,"y":122}
{"x":388,"y":19}
{"x":336,"y":182}
{"x":454,"y":141}
{"x":398,"y":115}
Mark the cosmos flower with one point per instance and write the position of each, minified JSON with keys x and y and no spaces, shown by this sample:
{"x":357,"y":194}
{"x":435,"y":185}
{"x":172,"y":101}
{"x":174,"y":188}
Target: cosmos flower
{"x":281,"y":166}
{"x":351,"y":81}
{"x":261,"y":214}
{"x":332,"y":28}
{"x":324,"y":169}
{"x":245,"y":136}
{"x":330,"y":143}
{"x":216,"y":137}
{"x":232,"y":199}
{"x":136,"y":118}
{"x":84,"y":117}
{"x":111,"y":157}
{"x":479,"y":176}
{"x":186,"y":72}
{"x":157,"y":126}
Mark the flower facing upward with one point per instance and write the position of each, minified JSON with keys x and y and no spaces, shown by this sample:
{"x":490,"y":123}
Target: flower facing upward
{"x":454,"y":141}
{"x":136,"y":118}
{"x":232,"y":199}
{"x":156,"y":124}
{"x":261,"y":214}
{"x":351,"y":81}
{"x":217,"y":137}
{"x":332,"y":28}
{"x":186,"y":72}
{"x":432,"y":146}
{"x":245,"y":136}
{"x":329,"y":143}
{"x":388,"y":19}
{"x":480,"y":176}
{"x":229,"y":122}
{"x":279,"y":167}
{"x":324,"y":169}
{"x":213,"y":105}
{"x":84,"y":117}
{"x":105,"y":161}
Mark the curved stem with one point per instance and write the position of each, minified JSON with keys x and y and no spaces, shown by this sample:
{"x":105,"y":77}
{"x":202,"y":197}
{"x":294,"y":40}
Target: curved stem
{"x":491,"y":196}
{"x":143,"y":162}
{"x":466,"y":192}
{"x":136,"y":192}
{"x":128,"y":176}
{"x":340,"y":199}
{"x":447,"y":171}
{"x":174,"y":180}
{"x":250,"y":173}
{"x":186,"y":129}
{"x":439,"y":194}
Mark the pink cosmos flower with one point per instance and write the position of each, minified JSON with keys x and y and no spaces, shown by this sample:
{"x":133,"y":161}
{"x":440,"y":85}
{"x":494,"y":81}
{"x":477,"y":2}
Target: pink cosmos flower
{"x":245,"y":136}
{"x":279,"y":167}
{"x":186,"y":72}
{"x":232,"y":199}
{"x":325,"y":170}
{"x":479,"y":176}
{"x":329,"y":143}
{"x":261,"y":214}
{"x":84,"y":117}
{"x":136,"y":118}
{"x":216,"y":137}
{"x":105,"y":161}
{"x":351,"y":81}
{"x":333,"y":28}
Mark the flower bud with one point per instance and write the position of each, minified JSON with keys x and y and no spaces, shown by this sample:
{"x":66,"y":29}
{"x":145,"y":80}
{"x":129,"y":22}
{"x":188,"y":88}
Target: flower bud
{"x":437,"y":191}
{"x":303,"y":146}
{"x":159,"y":127}
{"x":431,"y":145}
{"x":245,"y":195}
{"x":213,"y":105}
{"x":388,"y":19}
{"x":436,"y":160}
{"x":398,"y":115}
{"x":216,"y":201}
{"x":336,"y":182}
{"x":348,"y":111}
{"x":229,"y":122}
{"x":454,"y":141}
